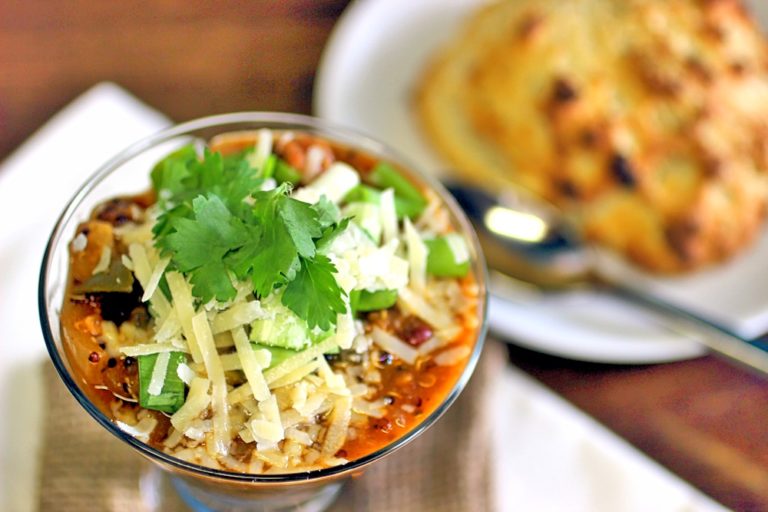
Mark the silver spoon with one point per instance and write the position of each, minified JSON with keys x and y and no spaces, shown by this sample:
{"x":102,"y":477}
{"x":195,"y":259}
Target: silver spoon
{"x":524,"y":238}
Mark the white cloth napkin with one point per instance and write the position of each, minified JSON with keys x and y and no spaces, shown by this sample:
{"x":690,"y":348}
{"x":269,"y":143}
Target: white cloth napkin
{"x":550,"y":456}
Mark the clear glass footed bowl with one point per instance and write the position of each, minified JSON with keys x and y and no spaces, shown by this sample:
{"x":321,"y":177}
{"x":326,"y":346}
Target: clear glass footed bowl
{"x":203,"y":488}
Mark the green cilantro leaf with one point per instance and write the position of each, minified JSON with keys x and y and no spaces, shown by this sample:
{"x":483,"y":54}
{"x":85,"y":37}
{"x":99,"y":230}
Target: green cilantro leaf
{"x":211,"y":280}
{"x":198,"y":246}
{"x":217,"y":225}
{"x":327,"y":212}
{"x":300,"y":220}
{"x":331,"y":232}
{"x":288,"y":227}
{"x":314,"y":294}
{"x":212,"y":233}
{"x":169,"y":173}
{"x":181,"y":177}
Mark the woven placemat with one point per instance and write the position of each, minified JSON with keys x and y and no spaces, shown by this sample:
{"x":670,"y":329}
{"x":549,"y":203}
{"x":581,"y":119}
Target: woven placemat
{"x":446,"y":469}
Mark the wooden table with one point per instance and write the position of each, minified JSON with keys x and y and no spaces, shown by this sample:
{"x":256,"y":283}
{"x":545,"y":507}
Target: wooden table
{"x":703,"y":419}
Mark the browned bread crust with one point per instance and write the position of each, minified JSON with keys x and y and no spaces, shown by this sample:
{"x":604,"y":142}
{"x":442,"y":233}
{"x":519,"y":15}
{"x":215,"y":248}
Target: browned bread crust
{"x":646,"y":120}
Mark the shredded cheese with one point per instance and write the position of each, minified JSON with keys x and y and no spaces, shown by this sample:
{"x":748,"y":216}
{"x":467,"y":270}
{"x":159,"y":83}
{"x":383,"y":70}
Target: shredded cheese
{"x":239,"y":394}
{"x":185,"y":309}
{"x":185,"y":373}
{"x":345,"y":329}
{"x":103,"y":264}
{"x":146,"y":349}
{"x":417,"y":257}
{"x":215,"y":371}
{"x":169,"y":328}
{"x":239,"y":314}
{"x":394,"y":345}
{"x":300,"y":359}
{"x":337,"y":430}
{"x":414,"y":303}
{"x":127,"y":263}
{"x":141,"y":430}
{"x":452,"y":356}
{"x":141,"y":267}
{"x":263,"y":149}
{"x":154,"y":279}
{"x":159,"y":373}
{"x":458,"y":247}
{"x":295,"y":376}
{"x":388,"y":215}
{"x":197,"y":401}
{"x":334,"y":382}
{"x":251,"y":367}
{"x":267,"y":430}
{"x":334,"y":183}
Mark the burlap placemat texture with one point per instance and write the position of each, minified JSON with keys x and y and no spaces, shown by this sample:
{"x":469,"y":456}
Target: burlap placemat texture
{"x":448,"y":468}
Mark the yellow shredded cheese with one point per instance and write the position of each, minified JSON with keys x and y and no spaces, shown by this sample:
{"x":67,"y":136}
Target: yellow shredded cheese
{"x":263,"y":148}
{"x":185,"y":373}
{"x":388,"y":215}
{"x":197,"y":401}
{"x":300,"y":359}
{"x":336,"y":181}
{"x":345,"y":328}
{"x":169,"y":328}
{"x":294,"y":376}
{"x":417,"y":257}
{"x":141,"y":430}
{"x":219,"y":405}
{"x":236,"y":316}
{"x":414,"y":303}
{"x":103,"y":264}
{"x":223,"y":340}
{"x":251,"y":367}
{"x":141,"y":267}
{"x":159,"y":372}
{"x":334,"y":382}
{"x":267,"y":430}
{"x":337,"y":430}
{"x":394,"y":345}
{"x":239,"y":394}
{"x":185,"y":310}
{"x":154,"y":279}
{"x":145,"y":349}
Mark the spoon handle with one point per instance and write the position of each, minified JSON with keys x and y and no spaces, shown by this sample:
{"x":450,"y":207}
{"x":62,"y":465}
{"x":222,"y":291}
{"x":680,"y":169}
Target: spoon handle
{"x":715,"y":337}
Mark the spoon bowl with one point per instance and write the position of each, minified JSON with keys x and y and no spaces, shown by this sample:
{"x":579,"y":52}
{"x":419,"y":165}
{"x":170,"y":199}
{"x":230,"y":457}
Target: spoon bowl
{"x":524,"y":238}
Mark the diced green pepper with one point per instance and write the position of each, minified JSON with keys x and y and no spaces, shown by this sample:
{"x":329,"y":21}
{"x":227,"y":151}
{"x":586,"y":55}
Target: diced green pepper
{"x":367,"y":216}
{"x":404,"y":207}
{"x":364,"y":300}
{"x":284,"y":172}
{"x":171,"y":397}
{"x":448,"y":256}
{"x":385,"y":176}
{"x":117,"y":278}
{"x":363,"y":194}
{"x":279,"y":354}
{"x":270,"y":164}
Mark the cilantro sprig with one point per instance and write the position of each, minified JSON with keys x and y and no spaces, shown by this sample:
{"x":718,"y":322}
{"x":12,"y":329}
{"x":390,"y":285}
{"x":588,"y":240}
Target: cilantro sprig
{"x":217,"y":225}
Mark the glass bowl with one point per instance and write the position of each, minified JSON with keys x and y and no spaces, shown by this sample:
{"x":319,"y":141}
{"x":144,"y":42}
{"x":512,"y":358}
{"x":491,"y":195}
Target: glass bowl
{"x":200,"y":487}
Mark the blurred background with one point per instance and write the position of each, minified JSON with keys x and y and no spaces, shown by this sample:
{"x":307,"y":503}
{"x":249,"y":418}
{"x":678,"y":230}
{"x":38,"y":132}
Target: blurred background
{"x":186,"y":58}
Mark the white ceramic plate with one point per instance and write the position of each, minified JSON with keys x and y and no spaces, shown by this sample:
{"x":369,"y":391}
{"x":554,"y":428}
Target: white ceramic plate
{"x":365,"y":81}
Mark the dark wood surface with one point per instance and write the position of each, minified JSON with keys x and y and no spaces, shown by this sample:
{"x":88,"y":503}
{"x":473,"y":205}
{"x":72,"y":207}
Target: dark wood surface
{"x":703,"y":419}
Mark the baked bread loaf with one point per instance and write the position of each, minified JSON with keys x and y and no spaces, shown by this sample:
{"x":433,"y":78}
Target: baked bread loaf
{"x":646,"y":120}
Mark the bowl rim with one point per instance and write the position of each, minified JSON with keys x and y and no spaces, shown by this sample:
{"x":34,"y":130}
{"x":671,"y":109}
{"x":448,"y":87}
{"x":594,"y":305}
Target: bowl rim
{"x":272,"y":120}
